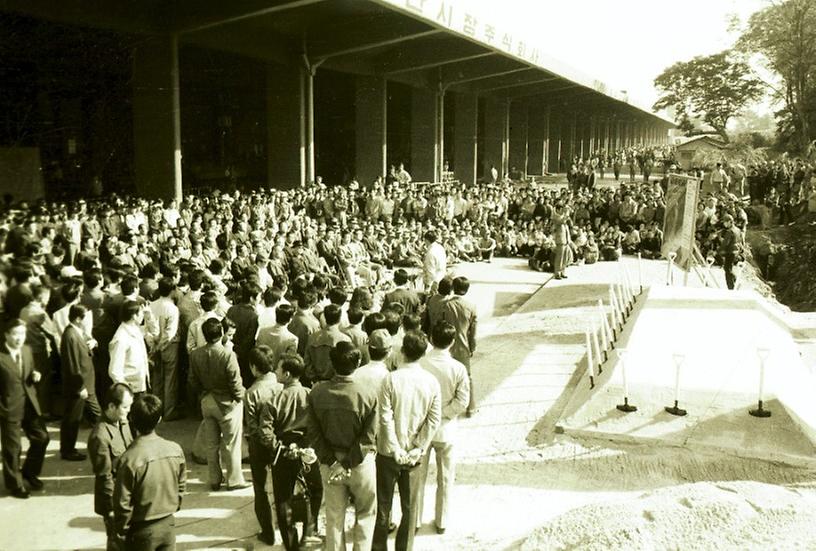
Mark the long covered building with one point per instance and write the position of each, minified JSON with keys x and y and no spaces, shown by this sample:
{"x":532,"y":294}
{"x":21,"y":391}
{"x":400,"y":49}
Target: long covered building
{"x":160,"y":96}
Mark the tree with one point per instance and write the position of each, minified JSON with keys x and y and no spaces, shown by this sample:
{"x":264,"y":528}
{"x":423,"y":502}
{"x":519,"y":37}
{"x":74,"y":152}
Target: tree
{"x":784,"y":36}
{"x":714,"y":88}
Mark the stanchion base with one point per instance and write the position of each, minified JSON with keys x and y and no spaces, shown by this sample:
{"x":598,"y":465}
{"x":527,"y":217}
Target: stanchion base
{"x":760,"y":411}
{"x":626,"y":407}
{"x":591,"y":382}
{"x":674,"y":410}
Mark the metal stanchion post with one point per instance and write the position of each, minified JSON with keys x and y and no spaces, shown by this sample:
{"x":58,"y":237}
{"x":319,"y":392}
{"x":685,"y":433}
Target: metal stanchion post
{"x":625,"y":407}
{"x":678,"y":360}
{"x":760,"y":411}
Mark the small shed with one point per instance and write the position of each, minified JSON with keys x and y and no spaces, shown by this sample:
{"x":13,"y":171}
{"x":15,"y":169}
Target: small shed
{"x":688,"y":147}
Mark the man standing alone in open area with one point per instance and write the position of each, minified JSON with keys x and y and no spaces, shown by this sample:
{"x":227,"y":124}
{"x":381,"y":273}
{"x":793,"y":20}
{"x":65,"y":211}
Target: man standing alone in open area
{"x":149,"y":484}
{"x":435,"y":262}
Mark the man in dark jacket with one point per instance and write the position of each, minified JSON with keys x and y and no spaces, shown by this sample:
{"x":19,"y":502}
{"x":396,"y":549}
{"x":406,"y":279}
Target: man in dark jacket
{"x":78,"y":382}
{"x":20,"y":412}
{"x":730,"y":249}
{"x":460,"y":313}
{"x":109,"y":439}
{"x":282,"y":424}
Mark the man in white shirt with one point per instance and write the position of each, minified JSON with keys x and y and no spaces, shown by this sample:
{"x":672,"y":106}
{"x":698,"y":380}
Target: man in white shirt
{"x":455,"y":386}
{"x":410,"y":412}
{"x":435,"y":262}
{"x":70,"y":294}
{"x":128,"y":353}
{"x":165,"y":374}
{"x":195,"y":336}
{"x":266,"y":312}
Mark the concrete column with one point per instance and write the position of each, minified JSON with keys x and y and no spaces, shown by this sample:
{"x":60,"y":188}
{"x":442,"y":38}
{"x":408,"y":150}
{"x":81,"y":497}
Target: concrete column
{"x":593,"y":126}
{"x":465,"y":137}
{"x":572,"y":139}
{"x":440,"y":136}
{"x":496,"y":128}
{"x":519,"y":136}
{"x":539,"y":139}
{"x":286,"y":125}
{"x":157,"y":118}
{"x":607,"y":134}
{"x":424,"y":135}
{"x":371,"y":102}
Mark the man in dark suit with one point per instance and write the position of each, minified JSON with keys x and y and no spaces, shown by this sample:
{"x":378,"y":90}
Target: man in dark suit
{"x":78,"y":383}
{"x":460,"y":313}
{"x":402,"y":294}
{"x":20,"y":411}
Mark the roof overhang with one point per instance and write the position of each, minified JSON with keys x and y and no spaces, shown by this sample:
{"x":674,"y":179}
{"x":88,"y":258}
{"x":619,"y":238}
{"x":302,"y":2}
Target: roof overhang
{"x":429,"y":43}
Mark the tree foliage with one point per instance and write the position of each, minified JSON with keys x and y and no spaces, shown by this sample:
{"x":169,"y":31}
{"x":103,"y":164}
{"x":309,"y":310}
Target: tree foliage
{"x":784,"y":35}
{"x":714,"y":88}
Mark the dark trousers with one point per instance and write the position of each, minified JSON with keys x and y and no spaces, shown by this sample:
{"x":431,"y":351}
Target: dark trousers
{"x":11,"y":443}
{"x":75,"y":409}
{"x":259,"y":458}
{"x":152,"y":535}
{"x":728,"y":267}
{"x":409,"y":481}
{"x":284,"y":477}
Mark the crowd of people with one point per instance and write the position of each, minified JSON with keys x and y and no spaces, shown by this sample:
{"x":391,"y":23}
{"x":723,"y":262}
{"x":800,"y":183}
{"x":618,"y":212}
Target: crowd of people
{"x":281,"y":317}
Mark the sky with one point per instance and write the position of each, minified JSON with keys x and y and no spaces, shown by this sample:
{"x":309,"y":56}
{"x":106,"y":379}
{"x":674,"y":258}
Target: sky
{"x":624,"y":43}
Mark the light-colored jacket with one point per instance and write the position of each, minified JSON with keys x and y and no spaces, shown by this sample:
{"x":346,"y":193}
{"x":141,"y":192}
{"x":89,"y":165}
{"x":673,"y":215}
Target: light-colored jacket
{"x":454,"y":386}
{"x":128,"y":357}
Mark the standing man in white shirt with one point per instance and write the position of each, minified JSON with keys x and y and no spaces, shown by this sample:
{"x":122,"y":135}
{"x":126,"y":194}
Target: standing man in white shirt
{"x":195,"y":336}
{"x":410,"y":412}
{"x":128,"y":353}
{"x":435,"y":262}
{"x":455,"y":386}
{"x":165,"y":374}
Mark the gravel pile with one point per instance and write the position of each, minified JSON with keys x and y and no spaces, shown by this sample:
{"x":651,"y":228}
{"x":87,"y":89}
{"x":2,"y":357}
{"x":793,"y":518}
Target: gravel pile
{"x":705,"y":515}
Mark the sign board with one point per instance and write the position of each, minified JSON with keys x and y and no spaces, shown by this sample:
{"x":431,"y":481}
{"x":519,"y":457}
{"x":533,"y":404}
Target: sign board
{"x":682,"y":195}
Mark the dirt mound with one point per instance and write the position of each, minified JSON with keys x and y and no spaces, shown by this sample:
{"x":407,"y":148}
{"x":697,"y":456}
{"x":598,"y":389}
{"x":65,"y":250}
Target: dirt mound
{"x":785,"y":257}
{"x":705,"y":515}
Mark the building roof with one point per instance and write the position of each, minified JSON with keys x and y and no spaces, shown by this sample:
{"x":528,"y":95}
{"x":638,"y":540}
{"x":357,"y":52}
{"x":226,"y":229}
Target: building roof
{"x":433,"y":44}
{"x":712,"y":139}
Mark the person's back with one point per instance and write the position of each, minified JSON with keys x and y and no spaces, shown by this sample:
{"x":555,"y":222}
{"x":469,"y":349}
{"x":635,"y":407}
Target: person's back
{"x":316,"y":358}
{"x":214,"y":370}
{"x":304,"y":323}
{"x":279,"y":338}
{"x":459,"y":312}
{"x":150,"y":481}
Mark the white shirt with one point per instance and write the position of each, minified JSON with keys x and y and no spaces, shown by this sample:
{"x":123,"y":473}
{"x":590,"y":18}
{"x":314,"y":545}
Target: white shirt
{"x":434,"y":265}
{"x":195,"y":337}
{"x":371,"y":374}
{"x":266,"y":317}
{"x":455,"y":386}
{"x":166,"y":314}
{"x":61,"y":321}
{"x":128,"y":357}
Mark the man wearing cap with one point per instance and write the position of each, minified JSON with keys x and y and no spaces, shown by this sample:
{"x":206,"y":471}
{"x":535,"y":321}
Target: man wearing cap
{"x":730,"y":248}
{"x":373,"y":373}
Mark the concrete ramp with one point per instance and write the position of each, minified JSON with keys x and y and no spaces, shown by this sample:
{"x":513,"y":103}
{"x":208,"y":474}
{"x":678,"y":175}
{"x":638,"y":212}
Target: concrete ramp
{"x":719,"y":334}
